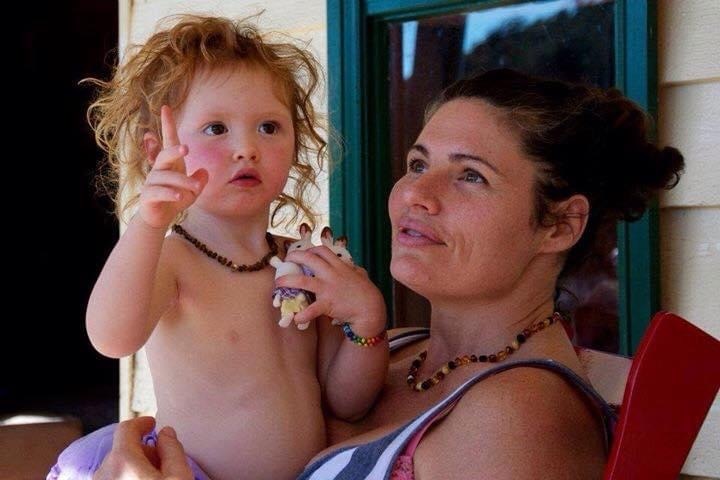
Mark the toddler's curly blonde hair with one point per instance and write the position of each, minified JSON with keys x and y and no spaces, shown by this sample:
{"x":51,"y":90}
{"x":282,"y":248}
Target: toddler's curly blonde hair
{"x":160,"y":72}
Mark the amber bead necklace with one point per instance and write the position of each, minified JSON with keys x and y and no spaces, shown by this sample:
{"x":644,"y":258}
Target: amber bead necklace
{"x":499,"y":356}
{"x":259,"y":265}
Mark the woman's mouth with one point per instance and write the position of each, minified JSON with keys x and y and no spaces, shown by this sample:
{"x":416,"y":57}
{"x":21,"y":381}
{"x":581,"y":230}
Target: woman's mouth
{"x":414,"y":234}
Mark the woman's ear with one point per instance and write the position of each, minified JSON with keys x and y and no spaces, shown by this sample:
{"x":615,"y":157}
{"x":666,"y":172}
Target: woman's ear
{"x":570,"y":218}
{"x":151,"y":144}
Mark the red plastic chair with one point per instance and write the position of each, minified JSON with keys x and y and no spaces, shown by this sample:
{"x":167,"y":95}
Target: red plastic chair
{"x":673,"y":380}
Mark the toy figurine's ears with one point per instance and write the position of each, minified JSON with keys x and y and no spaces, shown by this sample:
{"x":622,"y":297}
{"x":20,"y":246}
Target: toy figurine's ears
{"x":327,"y":234}
{"x":305,"y":230}
{"x":342,"y":241}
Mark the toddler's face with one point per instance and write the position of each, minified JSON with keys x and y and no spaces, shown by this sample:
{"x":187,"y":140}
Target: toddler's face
{"x":238,"y":128}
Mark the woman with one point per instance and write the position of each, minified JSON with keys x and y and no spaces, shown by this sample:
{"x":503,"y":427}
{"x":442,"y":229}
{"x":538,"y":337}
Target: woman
{"x":505,"y":187}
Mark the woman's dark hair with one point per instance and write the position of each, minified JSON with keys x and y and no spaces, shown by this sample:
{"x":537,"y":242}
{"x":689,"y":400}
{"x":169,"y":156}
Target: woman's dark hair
{"x":586,"y":140}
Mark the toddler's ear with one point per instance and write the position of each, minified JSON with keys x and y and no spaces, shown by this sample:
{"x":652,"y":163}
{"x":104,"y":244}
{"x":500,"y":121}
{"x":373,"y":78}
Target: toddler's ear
{"x":151,"y":144}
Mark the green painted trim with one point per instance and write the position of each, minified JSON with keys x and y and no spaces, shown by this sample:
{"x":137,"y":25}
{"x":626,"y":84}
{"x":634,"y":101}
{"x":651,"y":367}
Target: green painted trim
{"x":637,"y":77}
{"x":623,"y":269}
{"x":378,"y":168}
{"x":623,"y":264}
{"x":393,"y":10}
{"x":335,"y":117}
{"x":348,"y":194}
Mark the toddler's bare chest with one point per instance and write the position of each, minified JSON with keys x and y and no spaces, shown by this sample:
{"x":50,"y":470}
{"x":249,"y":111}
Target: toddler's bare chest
{"x":229,"y":297}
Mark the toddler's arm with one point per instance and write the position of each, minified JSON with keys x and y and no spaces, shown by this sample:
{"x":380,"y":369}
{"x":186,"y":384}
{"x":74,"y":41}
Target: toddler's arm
{"x":351,"y":375}
{"x":134,"y":289}
{"x":136,"y":285}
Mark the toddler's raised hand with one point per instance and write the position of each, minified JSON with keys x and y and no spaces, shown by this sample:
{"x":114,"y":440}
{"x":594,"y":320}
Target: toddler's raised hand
{"x":168,"y":189}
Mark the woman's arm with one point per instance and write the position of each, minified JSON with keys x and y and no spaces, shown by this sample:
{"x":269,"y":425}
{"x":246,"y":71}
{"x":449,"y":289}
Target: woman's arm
{"x":524,"y":423}
{"x":129,"y":459}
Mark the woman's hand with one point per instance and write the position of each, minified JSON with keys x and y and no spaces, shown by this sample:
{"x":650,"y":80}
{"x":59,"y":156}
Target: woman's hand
{"x":168,"y":190}
{"x":343,"y":291}
{"x":130,"y":459}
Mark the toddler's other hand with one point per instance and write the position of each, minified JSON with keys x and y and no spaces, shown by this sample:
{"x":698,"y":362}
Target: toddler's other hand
{"x":343,"y":291}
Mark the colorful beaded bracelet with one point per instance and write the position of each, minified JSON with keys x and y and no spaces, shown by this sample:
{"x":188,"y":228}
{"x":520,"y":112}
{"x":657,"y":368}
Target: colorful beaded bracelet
{"x":362,"y":341}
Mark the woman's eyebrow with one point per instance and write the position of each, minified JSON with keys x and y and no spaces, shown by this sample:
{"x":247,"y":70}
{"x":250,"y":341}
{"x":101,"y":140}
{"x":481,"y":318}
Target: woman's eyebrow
{"x":457,"y":157}
{"x":418,"y":147}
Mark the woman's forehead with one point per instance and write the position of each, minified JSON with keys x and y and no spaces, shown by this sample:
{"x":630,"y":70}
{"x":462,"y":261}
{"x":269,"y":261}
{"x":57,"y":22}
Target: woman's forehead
{"x":471,"y":123}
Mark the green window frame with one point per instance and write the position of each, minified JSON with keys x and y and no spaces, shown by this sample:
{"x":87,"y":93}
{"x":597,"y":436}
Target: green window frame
{"x":359,"y":179}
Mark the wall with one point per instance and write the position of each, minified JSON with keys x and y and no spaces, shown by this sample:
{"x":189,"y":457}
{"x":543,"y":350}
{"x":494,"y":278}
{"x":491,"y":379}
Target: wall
{"x":689,"y":118}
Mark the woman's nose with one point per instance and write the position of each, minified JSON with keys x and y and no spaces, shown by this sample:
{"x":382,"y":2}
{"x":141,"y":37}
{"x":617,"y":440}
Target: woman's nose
{"x":424,"y":193}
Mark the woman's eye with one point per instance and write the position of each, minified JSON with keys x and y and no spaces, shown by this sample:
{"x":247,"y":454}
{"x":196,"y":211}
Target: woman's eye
{"x":268,"y":128}
{"x":215,"y":129}
{"x":472,"y":176}
{"x":416,"y":166}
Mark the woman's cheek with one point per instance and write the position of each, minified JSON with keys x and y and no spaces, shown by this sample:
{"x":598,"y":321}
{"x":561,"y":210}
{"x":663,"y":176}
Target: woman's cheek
{"x":394,"y":199}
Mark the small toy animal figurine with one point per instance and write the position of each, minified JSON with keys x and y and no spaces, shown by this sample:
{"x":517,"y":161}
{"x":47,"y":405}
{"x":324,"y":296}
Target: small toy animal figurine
{"x":295,"y":300}
{"x":339,"y":246}
{"x":292,"y":300}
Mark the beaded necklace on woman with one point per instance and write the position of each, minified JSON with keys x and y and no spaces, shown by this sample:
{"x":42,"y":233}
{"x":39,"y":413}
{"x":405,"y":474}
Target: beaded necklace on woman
{"x":422,"y":385}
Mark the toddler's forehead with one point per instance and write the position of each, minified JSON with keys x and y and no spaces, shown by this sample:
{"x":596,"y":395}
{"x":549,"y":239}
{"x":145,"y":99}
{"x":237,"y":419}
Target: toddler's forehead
{"x":283,"y":88}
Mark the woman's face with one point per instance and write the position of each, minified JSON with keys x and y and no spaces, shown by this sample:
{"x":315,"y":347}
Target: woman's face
{"x":462,"y":216}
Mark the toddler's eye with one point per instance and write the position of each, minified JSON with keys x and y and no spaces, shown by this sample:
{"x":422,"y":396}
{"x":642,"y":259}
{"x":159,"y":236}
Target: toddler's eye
{"x":215,"y":129}
{"x":268,"y":128}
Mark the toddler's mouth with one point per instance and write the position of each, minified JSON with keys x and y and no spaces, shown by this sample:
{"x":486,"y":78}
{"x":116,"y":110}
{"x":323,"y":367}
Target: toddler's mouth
{"x":247,"y":177}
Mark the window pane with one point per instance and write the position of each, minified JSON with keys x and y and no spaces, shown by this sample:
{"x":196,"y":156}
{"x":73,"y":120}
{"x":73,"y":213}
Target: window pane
{"x":565,"y":39}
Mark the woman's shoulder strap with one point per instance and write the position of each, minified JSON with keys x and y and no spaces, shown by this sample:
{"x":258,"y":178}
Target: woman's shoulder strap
{"x":400,"y":337}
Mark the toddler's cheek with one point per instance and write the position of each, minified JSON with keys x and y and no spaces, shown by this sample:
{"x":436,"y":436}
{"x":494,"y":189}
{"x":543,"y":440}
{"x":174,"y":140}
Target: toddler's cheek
{"x":209,"y":158}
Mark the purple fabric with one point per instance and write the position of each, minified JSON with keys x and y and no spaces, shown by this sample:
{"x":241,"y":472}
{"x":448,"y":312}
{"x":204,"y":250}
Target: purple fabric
{"x":83,"y":457}
{"x":287,"y":293}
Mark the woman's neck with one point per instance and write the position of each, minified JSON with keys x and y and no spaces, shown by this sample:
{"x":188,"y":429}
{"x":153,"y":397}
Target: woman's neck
{"x":486,"y":323}
{"x":481,"y":328}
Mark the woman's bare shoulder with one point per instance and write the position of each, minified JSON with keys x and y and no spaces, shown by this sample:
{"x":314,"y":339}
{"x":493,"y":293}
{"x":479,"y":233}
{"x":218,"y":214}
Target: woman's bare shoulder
{"x":518,"y":424}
